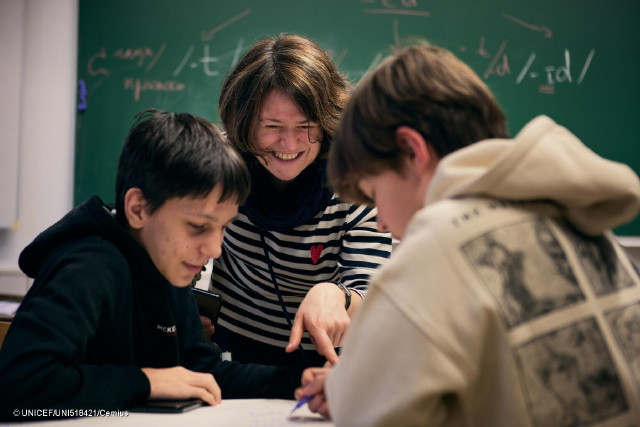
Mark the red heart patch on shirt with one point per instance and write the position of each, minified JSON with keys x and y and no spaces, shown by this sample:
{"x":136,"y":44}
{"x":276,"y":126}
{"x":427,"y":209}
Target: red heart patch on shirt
{"x":316,"y":250}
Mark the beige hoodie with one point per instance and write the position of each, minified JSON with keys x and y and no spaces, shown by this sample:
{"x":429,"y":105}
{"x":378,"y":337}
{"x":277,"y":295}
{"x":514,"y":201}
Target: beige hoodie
{"x":493,"y":311}
{"x":547,"y":162}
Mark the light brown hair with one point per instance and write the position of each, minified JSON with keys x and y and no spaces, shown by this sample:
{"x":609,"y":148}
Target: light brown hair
{"x":421,"y":86}
{"x":296,"y":65}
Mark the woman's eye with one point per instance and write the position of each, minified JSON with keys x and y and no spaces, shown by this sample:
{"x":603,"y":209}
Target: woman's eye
{"x":196,"y":226}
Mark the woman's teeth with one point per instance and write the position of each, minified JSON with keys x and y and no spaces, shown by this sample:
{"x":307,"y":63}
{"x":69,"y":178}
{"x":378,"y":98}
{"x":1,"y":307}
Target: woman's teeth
{"x":283,"y":156}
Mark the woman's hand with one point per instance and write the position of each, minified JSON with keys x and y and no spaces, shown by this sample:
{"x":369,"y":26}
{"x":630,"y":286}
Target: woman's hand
{"x":322,"y":313}
{"x":181,"y":383}
{"x":313,"y":380}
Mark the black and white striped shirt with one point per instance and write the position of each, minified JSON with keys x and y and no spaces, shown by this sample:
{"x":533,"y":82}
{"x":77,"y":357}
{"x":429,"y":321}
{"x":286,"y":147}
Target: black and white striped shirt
{"x":340,"y":244}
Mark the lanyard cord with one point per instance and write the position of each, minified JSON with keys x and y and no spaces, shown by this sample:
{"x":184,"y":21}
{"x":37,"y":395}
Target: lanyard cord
{"x":277,"y":289}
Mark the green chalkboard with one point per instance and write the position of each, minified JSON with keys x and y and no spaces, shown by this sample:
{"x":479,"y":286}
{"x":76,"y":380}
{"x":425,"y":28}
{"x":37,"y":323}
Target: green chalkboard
{"x":575,"y":61}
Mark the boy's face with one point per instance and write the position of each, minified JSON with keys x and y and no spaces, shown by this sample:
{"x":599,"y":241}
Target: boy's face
{"x":397,"y":198}
{"x":184,"y":233}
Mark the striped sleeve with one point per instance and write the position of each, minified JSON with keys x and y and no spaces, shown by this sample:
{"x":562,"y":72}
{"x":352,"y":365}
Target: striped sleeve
{"x":339,"y":244}
{"x":363,"y":247}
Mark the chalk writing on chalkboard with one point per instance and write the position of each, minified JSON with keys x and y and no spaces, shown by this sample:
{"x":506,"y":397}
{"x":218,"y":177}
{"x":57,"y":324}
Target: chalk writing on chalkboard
{"x":536,"y":60}
{"x":201,"y":56}
{"x":552,"y":74}
{"x":547,"y":33}
{"x":212,"y":65}
{"x":95,"y":64}
{"x":389,"y":7}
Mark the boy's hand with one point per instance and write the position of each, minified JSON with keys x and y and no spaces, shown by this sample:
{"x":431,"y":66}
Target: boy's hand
{"x":181,"y":383}
{"x":207,"y":326}
{"x":321,"y":313}
{"x":313,"y":380}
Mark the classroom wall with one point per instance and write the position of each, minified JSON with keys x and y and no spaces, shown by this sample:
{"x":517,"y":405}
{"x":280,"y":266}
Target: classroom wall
{"x":46,"y":127}
{"x":10,"y":78}
{"x":46,"y":124}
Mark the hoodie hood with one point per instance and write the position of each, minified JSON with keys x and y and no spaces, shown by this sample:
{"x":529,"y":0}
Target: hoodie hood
{"x":543,"y":162}
{"x":89,"y":219}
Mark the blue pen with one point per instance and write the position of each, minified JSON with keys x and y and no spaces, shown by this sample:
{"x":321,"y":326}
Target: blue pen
{"x":302,"y":402}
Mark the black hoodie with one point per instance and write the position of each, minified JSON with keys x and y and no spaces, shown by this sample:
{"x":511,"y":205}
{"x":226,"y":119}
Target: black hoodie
{"x":97,"y":312}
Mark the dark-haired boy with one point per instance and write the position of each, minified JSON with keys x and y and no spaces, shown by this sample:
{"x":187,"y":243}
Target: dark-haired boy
{"x":110,"y":320}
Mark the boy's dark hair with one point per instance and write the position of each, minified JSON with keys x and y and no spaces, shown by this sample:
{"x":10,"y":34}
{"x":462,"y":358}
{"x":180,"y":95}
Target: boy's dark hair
{"x":169,"y":155}
{"x":423,"y":87}
{"x":296,"y":65}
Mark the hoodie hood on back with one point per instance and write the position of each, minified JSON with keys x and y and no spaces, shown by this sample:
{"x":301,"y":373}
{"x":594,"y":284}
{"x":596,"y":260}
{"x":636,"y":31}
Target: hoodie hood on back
{"x":89,"y":219}
{"x":544,"y":162}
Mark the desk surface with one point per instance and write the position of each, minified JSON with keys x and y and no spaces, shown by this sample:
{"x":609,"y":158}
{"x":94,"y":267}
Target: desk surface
{"x":231,"y":412}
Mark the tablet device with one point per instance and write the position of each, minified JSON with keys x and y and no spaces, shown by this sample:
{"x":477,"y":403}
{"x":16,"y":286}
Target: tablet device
{"x":209,"y":304}
{"x":169,"y":406}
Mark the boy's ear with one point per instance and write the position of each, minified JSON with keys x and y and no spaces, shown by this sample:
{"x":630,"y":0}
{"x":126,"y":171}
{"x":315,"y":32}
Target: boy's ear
{"x":420,"y":158}
{"x":135,"y":208}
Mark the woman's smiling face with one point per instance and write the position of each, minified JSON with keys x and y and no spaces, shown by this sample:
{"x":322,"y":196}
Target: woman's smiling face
{"x":290,"y":140}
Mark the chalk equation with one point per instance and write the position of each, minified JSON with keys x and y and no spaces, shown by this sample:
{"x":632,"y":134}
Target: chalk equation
{"x":203,"y":57}
{"x":551,"y":74}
